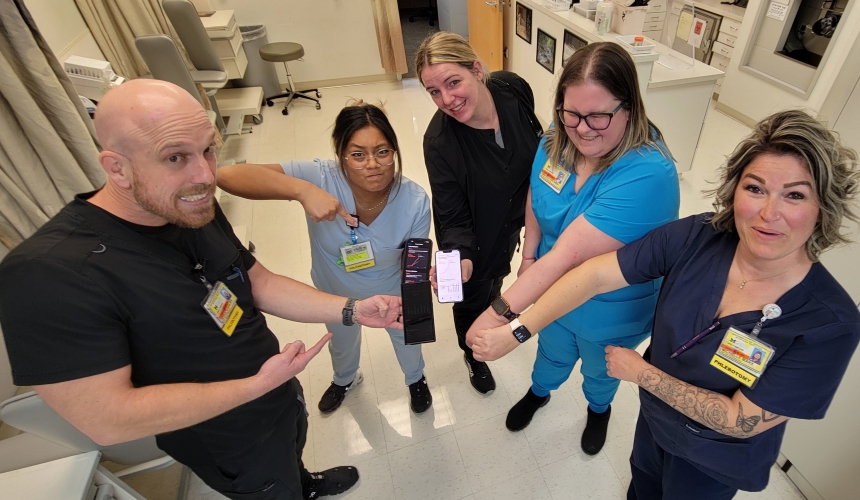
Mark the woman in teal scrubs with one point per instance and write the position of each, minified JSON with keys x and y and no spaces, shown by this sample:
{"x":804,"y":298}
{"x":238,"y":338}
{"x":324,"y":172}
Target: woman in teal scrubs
{"x":602,"y":177}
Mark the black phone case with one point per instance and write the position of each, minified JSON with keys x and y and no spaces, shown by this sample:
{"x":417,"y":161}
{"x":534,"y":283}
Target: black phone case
{"x":418,"y":324}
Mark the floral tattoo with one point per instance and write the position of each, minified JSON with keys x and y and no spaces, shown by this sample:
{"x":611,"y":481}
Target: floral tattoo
{"x":703,"y":406}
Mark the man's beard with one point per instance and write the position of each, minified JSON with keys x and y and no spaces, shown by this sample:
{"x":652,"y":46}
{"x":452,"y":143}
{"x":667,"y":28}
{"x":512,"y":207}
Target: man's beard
{"x":194,"y":219}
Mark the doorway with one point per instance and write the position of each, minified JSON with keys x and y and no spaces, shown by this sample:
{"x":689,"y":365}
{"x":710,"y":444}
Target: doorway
{"x":418,"y":20}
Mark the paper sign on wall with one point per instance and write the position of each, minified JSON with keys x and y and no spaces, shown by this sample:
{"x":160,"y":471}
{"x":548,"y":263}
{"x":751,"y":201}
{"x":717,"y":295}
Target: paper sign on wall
{"x":777,"y":11}
{"x":684,"y":24}
{"x":697,"y":32}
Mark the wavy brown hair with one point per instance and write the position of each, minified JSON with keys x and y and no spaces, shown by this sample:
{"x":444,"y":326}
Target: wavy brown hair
{"x":832,"y":165}
{"x":610,"y":66}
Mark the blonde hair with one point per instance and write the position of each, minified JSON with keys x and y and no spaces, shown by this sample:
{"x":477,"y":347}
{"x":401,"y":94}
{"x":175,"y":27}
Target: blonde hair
{"x":610,"y":66}
{"x":444,"y":47}
{"x":831,"y":164}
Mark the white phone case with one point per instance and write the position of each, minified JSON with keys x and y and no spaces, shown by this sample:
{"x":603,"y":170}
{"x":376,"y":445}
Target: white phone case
{"x":449,"y":277}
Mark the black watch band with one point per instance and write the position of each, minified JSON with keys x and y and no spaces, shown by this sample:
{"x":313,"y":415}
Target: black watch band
{"x":501,"y":307}
{"x":520,"y":331}
{"x":349,"y":312}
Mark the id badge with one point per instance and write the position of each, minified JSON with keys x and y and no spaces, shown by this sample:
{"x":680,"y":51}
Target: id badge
{"x":554,"y":176}
{"x":222,"y":306}
{"x":358,"y":256}
{"x":742,"y":356}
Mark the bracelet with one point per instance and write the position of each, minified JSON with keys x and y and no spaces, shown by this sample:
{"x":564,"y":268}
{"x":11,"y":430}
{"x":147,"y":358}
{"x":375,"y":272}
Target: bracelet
{"x":349,"y":312}
{"x":528,"y":258}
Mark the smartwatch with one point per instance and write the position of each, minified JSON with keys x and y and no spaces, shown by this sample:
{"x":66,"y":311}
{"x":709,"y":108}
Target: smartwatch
{"x":501,"y":307}
{"x":349,"y":312}
{"x":520,"y":331}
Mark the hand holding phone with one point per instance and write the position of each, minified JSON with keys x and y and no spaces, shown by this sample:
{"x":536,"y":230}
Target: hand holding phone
{"x":449,"y":276}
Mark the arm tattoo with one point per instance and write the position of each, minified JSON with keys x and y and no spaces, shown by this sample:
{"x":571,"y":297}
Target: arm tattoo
{"x":706,"y":407}
{"x":767,"y":416}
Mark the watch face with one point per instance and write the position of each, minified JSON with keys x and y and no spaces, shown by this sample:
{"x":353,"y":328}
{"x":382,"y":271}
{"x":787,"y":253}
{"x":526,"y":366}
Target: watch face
{"x":500,"y":306}
{"x":522,"y":334}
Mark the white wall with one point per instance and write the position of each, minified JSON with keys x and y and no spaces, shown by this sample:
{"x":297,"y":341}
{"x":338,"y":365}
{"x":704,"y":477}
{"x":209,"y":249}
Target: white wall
{"x":454,"y":17}
{"x":338,"y":36}
{"x":757,"y":98}
{"x":64,"y":29}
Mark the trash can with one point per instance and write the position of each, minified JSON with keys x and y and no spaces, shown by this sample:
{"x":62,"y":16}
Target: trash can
{"x":259,"y":73}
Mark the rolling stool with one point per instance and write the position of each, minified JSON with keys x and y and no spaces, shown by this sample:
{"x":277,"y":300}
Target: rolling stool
{"x":283,"y":52}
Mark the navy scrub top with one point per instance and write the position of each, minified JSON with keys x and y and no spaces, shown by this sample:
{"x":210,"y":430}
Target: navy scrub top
{"x":814,"y":339}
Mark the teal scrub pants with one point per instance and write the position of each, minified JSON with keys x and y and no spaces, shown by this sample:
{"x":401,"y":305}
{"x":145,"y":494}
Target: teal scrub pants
{"x":558,"y":351}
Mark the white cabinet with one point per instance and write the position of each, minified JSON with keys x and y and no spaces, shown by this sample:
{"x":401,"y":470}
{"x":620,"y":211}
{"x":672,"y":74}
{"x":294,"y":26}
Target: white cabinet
{"x":724,"y":47}
{"x":655,"y":15}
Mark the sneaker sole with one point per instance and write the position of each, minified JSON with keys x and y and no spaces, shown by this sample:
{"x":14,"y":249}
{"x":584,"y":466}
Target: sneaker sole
{"x":359,"y":378}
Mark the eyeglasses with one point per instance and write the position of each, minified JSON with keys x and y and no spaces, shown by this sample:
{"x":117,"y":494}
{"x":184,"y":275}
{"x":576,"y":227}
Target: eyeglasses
{"x":595,"y":121}
{"x":358,"y":159}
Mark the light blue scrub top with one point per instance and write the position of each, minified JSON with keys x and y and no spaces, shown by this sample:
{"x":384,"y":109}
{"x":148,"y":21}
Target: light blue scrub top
{"x":636,"y":194}
{"x":407,"y":215}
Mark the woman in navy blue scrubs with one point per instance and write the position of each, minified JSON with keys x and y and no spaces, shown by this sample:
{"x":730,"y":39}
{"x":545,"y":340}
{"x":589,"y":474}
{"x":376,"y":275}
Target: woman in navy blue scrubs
{"x":750,"y":329}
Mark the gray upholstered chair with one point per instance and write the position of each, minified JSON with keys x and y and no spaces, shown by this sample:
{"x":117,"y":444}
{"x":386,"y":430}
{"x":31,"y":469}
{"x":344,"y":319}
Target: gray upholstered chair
{"x":208,"y":70}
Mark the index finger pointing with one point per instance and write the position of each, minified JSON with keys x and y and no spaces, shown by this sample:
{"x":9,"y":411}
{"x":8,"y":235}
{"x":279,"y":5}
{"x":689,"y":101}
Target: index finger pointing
{"x":346,"y":216}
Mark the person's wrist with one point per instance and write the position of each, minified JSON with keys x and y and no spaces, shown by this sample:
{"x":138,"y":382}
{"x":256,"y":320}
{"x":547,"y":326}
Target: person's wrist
{"x":528,"y":258}
{"x":350,"y":312}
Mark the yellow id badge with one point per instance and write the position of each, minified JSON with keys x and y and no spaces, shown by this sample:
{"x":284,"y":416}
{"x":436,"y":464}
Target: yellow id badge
{"x":222,"y":306}
{"x":742,"y":356}
{"x":358,"y":256}
{"x":554,"y":176}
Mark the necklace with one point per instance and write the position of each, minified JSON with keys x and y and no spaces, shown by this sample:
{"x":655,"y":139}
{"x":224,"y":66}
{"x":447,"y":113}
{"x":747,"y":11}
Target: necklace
{"x":374,"y":207}
{"x":744,"y":282}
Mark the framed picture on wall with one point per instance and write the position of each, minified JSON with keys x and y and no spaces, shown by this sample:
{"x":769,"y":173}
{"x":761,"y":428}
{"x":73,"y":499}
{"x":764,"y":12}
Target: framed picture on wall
{"x":572,"y":43}
{"x":524,"y":22}
{"x":546,"y":50}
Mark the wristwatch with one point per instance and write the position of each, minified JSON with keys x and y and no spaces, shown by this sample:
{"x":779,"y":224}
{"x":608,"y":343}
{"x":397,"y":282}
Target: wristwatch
{"x":349,"y":312}
{"x":520,"y":331}
{"x":500,"y":305}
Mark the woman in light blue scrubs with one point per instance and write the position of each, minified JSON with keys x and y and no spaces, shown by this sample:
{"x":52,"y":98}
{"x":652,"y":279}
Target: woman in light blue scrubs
{"x":600,"y":180}
{"x":365,"y":181}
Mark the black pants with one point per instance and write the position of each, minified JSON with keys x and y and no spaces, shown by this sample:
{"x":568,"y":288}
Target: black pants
{"x":477,"y":296}
{"x":273,"y":470}
{"x":658,"y":475}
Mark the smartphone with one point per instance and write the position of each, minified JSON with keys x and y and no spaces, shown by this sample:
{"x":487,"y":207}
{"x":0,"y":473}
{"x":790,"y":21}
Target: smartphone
{"x":418,"y":324}
{"x":416,"y":260}
{"x":449,"y":276}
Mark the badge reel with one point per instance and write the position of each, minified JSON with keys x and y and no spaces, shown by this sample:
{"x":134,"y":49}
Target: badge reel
{"x":743,"y":356}
{"x":355,"y":255}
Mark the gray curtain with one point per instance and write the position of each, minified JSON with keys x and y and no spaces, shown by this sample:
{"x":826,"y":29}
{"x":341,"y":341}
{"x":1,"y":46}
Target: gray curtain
{"x":48,"y":147}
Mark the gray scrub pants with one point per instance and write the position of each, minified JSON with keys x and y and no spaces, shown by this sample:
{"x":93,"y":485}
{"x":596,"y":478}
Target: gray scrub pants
{"x":345,"y":349}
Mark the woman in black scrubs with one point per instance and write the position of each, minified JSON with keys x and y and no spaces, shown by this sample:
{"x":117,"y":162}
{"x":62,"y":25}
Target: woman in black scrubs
{"x":478,"y":150}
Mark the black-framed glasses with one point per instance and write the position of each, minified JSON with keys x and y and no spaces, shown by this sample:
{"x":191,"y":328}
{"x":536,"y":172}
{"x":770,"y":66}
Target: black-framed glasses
{"x":595,"y":121}
{"x":358,"y":159}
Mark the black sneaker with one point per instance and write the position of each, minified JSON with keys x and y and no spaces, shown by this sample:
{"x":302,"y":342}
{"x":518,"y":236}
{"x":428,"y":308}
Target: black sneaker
{"x":420,"y":398}
{"x":479,"y":375}
{"x":520,"y":415}
{"x":594,"y":435}
{"x":333,"y":396}
{"x":330,"y":482}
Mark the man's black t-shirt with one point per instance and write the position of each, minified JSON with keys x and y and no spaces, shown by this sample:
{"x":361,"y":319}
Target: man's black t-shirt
{"x":88,"y":294}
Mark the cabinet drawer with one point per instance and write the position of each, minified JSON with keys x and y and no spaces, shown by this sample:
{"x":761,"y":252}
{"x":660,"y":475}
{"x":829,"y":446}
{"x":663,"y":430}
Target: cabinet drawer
{"x":654,"y":17}
{"x":652,"y":26}
{"x":719,"y":61}
{"x":653,"y":35}
{"x":723,"y":49}
{"x":727,"y":39}
{"x":235,"y":66}
{"x":228,"y":47}
{"x":656,"y":6}
{"x":676,"y":8}
{"x":730,"y":26}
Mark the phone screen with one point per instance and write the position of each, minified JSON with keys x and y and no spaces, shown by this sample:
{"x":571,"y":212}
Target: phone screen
{"x":418,"y":324}
{"x":449,"y":276}
{"x":417,"y":260}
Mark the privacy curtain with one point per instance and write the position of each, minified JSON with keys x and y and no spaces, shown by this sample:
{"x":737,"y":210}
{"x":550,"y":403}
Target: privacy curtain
{"x":48,"y":147}
{"x":389,"y":36}
{"x":116,"y":23}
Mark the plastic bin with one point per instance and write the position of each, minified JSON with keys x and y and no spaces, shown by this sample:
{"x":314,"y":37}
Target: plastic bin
{"x":259,"y":73}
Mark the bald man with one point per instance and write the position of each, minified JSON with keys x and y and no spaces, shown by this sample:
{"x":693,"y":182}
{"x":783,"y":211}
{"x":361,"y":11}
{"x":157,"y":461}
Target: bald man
{"x":136,"y":311}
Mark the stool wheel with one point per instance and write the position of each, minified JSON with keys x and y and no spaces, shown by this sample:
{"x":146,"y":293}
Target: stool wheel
{"x":318,"y":95}
{"x":318,"y":106}
{"x":258,"y":119}
{"x":285,"y":111}
{"x":269,"y":103}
